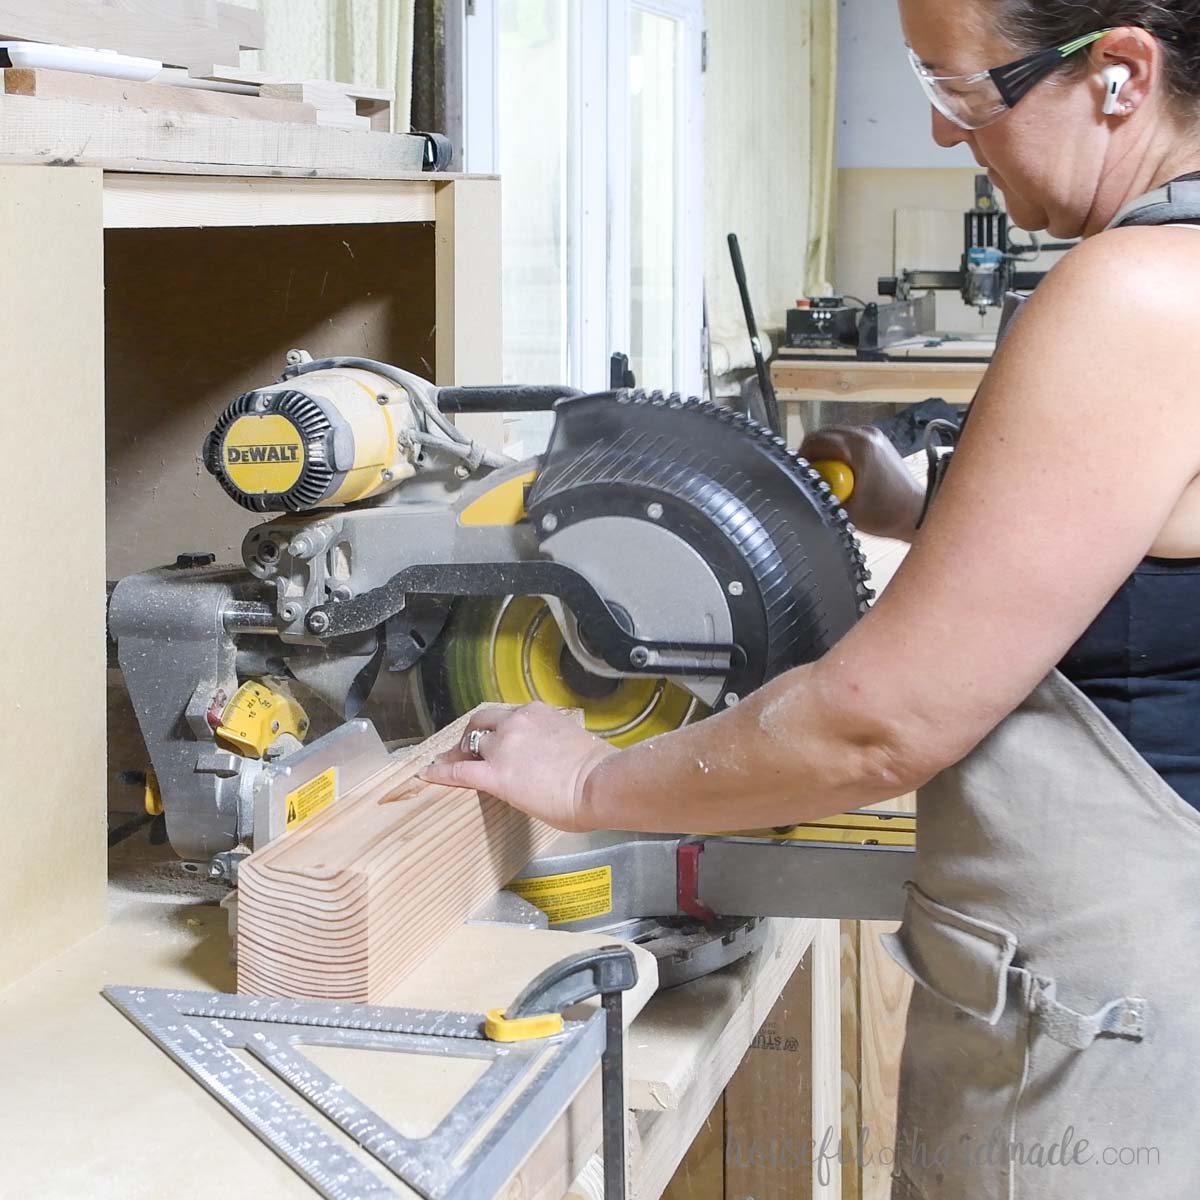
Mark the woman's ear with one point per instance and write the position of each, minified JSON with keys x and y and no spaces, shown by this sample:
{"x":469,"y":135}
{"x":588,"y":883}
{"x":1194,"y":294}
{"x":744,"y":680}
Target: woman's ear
{"x":1128,"y":65}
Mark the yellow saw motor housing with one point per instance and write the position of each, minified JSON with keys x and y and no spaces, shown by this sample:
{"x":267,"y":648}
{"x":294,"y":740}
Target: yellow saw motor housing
{"x":321,"y":440}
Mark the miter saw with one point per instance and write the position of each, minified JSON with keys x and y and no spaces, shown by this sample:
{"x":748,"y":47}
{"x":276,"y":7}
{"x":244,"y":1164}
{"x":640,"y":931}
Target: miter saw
{"x":661,"y":560}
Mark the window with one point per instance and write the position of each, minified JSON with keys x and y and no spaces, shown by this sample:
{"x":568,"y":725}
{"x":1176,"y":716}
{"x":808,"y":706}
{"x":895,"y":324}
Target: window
{"x":591,"y":114}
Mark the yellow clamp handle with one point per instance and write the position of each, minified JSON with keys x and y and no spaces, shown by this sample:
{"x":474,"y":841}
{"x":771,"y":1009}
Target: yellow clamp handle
{"x":500,"y":1028}
{"x":838,"y":475}
{"x":152,"y":797}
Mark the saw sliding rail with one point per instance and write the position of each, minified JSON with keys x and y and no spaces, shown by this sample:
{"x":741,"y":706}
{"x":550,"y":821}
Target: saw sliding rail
{"x":847,"y":868}
{"x":800,"y":879}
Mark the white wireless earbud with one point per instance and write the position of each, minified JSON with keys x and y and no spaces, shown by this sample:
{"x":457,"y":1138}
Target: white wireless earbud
{"x":1115,"y":78}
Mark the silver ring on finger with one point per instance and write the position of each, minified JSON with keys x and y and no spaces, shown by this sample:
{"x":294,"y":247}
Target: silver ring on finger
{"x":474,"y":740}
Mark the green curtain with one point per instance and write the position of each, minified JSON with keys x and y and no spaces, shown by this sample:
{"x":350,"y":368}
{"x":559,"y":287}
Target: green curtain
{"x":770,"y":165}
{"x":822,"y":183}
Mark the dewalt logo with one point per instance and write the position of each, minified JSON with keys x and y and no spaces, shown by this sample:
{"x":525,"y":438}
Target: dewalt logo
{"x":263,"y":455}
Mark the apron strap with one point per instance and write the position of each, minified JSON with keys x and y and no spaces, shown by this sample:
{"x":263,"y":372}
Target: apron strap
{"x":1124,"y":1018}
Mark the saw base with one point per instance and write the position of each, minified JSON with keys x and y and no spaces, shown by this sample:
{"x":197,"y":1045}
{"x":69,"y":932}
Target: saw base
{"x":687,"y":950}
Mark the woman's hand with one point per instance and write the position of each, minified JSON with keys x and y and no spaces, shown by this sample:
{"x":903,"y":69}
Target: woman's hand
{"x":535,"y":758}
{"x":887,"y":500}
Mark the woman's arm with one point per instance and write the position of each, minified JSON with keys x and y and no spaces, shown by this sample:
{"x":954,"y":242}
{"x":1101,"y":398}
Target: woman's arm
{"x":1084,"y":437}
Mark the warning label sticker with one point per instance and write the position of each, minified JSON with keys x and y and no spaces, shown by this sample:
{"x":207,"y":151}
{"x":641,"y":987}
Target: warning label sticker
{"x":308,"y":799}
{"x":576,"y":896}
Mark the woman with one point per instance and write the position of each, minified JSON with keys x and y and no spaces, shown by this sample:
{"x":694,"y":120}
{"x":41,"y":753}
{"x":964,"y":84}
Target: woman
{"x":1054,"y":1041}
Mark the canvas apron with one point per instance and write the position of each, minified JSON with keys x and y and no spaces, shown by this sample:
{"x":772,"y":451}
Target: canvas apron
{"x":1053,"y":931}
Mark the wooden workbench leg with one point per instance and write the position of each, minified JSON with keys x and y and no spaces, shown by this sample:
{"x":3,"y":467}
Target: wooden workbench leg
{"x":52,"y":772}
{"x":851,"y":1062}
{"x":827,"y":1061}
{"x":885,"y":992}
{"x":793,"y":425}
{"x":876,"y":995}
{"x":468,"y":338}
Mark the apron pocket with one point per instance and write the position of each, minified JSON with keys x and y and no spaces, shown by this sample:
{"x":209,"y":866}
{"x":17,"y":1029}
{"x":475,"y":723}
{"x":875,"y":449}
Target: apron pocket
{"x":960,"y":959}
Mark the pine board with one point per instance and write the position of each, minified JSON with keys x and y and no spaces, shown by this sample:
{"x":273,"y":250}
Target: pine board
{"x":161,"y":97}
{"x":348,"y":904}
{"x":768,"y":1103}
{"x":116,"y":138}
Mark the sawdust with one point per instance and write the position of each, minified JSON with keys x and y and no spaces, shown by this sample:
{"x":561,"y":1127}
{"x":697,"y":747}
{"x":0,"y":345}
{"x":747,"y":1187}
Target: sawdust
{"x":771,"y":717}
{"x":139,"y":872}
{"x":161,"y":883}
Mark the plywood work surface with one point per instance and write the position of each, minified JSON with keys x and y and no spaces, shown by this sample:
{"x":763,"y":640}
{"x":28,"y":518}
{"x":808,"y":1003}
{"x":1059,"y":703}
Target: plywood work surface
{"x":52,"y":770}
{"x":177,"y":32}
{"x":936,"y":346}
{"x":78,"y":1076}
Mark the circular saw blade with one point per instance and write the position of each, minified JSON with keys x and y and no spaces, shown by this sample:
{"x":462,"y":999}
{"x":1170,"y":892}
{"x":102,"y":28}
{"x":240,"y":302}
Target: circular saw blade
{"x":774,"y":537}
{"x":510,"y":650}
{"x":779,"y":547}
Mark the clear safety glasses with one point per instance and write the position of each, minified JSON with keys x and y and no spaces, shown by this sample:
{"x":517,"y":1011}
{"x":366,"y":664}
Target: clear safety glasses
{"x":973,"y":101}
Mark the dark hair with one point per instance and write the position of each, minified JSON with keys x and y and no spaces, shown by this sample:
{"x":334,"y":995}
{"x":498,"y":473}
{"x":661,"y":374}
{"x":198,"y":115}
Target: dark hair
{"x":1039,"y":24}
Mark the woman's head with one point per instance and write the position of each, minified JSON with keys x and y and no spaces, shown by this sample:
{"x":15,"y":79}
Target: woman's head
{"x":1062,"y":163}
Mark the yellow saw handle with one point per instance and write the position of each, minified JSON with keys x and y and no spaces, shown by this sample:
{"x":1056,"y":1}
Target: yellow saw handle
{"x":838,"y":475}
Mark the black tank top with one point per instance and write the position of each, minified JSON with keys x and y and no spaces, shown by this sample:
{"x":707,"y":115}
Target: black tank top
{"x":1139,"y":663}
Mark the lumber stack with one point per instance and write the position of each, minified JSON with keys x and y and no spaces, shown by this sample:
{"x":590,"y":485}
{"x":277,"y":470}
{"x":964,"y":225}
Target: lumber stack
{"x":177,"y":33}
{"x":199,"y":43}
{"x":349,"y":902}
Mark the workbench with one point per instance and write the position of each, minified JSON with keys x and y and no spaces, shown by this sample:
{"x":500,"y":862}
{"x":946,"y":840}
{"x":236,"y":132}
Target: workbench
{"x":91,"y":1107}
{"x":947,"y":366}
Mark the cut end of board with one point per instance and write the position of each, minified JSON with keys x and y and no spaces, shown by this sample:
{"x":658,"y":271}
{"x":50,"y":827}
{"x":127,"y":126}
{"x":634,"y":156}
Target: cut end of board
{"x":347,"y":904}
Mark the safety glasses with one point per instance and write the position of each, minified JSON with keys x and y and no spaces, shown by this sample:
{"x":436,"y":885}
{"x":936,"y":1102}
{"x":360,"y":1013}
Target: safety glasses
{"x":973,"y":101}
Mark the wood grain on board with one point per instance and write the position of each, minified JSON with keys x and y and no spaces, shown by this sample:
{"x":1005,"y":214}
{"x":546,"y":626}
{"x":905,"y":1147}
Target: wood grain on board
{"x":346,"y":905}
{"x":122,"y":137}
{"x":161,"y":97}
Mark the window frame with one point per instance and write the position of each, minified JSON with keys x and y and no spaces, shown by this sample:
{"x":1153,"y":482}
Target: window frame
{"x":600,"y":199}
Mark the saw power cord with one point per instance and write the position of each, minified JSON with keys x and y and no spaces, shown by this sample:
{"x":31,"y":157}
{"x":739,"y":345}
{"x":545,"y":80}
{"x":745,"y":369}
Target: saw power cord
{"x":422,"y":396}
{"x":941,"y":437}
